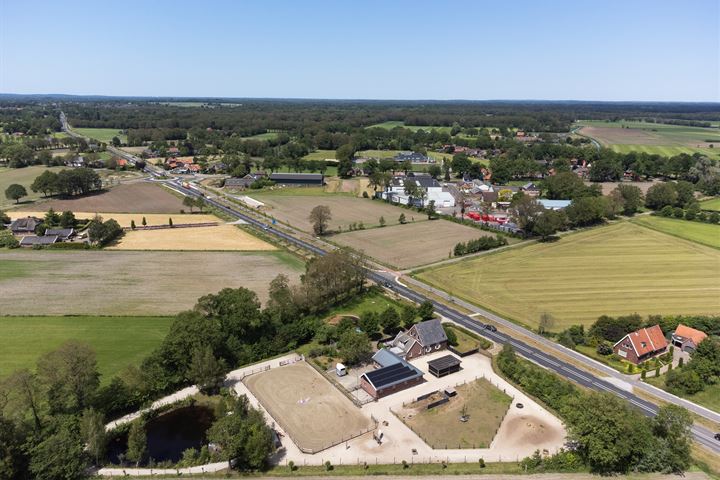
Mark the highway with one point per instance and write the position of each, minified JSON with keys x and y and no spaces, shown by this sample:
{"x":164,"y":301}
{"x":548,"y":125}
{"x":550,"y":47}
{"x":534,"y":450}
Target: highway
{"x":701,"y":434}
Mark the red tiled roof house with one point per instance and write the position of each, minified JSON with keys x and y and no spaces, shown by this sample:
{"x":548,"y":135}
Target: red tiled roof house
{"x":686,"y":338}
{"x":638,"y":346}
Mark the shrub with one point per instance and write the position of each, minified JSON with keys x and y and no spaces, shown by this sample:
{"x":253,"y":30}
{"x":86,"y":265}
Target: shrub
{"x":604,"y":349}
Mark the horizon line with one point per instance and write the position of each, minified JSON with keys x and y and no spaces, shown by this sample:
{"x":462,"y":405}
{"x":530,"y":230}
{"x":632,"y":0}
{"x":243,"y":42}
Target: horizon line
{"x":486,"y":100}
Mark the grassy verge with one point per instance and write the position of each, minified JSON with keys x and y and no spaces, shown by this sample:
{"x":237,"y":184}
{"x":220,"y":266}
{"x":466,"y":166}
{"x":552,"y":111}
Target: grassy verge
{"x":466,"y":340}
{"x":708,"y":398}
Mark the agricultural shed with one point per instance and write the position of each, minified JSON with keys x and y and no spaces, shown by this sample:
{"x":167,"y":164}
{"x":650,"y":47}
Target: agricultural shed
{"x":444,"y":365}
{"x":298,"y":178}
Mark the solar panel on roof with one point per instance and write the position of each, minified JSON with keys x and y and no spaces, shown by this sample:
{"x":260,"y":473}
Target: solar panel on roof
{"x":386,"y":376}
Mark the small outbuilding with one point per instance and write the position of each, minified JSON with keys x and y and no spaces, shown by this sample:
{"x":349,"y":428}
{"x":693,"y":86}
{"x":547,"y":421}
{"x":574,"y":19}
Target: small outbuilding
{"x":686,"y":338}
{"x":444,"y":365}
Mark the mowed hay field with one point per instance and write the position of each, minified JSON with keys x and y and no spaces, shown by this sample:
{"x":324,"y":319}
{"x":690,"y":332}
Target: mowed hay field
{"x":704,"y":233}
{"x":117,"y":341}
{"x":345,"y":209}
{"x":307,"y":406}
{"x":613,"y":270}
{"x":91,"y":282}
{"x":141,"y":197}
{"x":441,"y":428}
{"x":653,"y":138}
{"x":220,"y":237}
{"x":412,"y":244}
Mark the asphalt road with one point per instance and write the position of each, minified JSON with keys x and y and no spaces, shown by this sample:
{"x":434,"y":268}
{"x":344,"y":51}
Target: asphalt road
{"x":701,"y":434}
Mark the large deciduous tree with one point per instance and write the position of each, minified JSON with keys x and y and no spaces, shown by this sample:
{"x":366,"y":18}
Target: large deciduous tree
{"x":320,"y":216}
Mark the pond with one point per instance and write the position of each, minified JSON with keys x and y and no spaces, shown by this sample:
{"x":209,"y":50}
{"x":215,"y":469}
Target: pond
{"x":169,"y":434}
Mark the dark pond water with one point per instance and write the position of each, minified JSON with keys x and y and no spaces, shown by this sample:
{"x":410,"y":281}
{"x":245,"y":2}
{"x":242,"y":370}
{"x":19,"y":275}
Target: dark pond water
{"x":170,"y":434}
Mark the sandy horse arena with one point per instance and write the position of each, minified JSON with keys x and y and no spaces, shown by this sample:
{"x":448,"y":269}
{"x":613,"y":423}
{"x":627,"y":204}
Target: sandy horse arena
{"x":310,"y":409}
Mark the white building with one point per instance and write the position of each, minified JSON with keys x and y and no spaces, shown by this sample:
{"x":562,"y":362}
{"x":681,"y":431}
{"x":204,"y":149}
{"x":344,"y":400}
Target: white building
{"x":432,"y":189}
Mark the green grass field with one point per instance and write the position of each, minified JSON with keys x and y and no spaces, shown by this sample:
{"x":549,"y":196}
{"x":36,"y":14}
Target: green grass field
{"x":665,"y":151}
{"x":320,"y":155}
{"x":117,"y":341}
{"x":711,"y":204}
{"x":614,"y":270}
{"x":23,"y":176}
{"x":440,"y":427}
{"x":262,"y":136}
{"x":703,"y":233}
{"x":101,"y":134}
{"x":389,"y":125}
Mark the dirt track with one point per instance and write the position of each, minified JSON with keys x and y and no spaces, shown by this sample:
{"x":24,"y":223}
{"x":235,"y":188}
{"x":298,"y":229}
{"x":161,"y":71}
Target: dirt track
{"x":313,"y":412}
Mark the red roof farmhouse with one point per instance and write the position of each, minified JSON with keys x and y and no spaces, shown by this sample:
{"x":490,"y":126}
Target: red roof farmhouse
{"x":638,"y":346}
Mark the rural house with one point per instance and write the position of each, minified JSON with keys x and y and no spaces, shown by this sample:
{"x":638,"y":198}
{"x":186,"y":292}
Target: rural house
{"x":392,"y":375}
{"x":422,"y":338}
{"x":63,"y":234}
{"x":24,"y":225}
{"x":686,"y":338}
{"x":242,"y":183}
{"x":414,"y":157}
{"x":638,"y":346}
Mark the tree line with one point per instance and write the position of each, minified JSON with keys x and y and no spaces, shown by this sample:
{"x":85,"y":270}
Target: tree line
{"x":606,"y":434}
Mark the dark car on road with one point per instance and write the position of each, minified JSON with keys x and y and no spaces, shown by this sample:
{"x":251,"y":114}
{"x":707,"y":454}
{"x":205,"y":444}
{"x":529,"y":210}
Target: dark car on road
{"x":492,"y":328}
{"x":717,"y":436}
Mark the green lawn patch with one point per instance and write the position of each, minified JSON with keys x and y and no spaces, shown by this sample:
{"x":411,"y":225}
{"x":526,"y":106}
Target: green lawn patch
{"x":441,"y":427}
{"x":711,"y":204}
{"x":614,"y":270}
{"x":373,"y":301}
{"x":117,"y":341}
{"x":466,"y":341}
{"x":704,"y":233}
{"x":320,"y":155}
{"x":262,"y":136}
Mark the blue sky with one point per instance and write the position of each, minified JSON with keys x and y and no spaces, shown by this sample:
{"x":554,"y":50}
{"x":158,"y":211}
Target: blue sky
{"x":582,"y":50}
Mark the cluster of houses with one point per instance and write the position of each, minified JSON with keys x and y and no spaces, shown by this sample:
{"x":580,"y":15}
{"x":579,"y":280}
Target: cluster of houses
{"x":641,"y":345}
{"x":182,"y":165}
{"x":25,"y":229}
{"x":393,"y":371}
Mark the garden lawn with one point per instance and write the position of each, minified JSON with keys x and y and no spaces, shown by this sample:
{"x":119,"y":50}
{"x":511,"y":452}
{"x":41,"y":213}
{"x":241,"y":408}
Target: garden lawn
{"x":117,"y":341}
{"x":704,"y":233}
{"x":101,"y":134}
{"x":612,"y":270}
